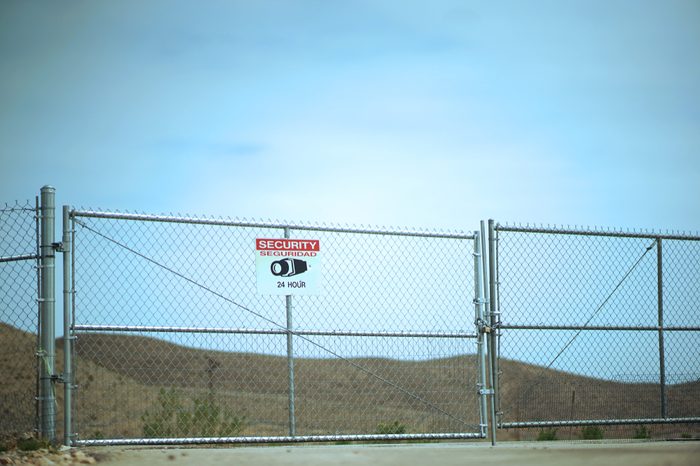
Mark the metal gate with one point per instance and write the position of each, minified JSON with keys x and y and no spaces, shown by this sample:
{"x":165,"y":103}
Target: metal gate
{"x":601,"y":327}
{"x":172,"y":343}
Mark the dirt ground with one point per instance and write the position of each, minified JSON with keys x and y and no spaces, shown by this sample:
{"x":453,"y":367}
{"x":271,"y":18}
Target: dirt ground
{"x":520,"y":453}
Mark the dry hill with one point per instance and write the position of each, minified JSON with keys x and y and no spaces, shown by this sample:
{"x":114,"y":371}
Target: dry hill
{"x":126,"y":380}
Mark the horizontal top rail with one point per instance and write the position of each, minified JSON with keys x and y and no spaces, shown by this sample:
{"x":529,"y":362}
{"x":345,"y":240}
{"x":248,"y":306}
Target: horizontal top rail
{"x":270,"y":224}
{"x":554,"y":230}
{"x":249,"y":331}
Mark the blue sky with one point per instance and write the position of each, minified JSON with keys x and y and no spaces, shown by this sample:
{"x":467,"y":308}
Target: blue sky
{"x":426,"y":114}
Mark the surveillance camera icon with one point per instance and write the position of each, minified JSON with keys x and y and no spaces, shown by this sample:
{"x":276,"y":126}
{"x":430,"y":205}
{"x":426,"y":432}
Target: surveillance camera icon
{"x":288,"y":267}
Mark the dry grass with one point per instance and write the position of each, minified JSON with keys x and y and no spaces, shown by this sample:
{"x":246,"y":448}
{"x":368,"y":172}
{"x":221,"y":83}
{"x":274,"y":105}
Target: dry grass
{"x":120,"y":377}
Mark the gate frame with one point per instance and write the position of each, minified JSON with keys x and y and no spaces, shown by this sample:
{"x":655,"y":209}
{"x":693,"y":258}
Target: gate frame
{"x":494,"y":355}
{"x":484,"y":389}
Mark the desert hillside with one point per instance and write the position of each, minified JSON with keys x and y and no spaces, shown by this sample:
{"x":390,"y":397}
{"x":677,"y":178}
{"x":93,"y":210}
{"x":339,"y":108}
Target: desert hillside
{"x":125,"y":382}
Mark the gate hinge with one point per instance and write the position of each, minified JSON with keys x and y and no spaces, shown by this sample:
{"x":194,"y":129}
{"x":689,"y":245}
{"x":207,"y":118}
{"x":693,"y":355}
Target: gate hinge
{"x":58,"y":246}
{"x":486,"y":391}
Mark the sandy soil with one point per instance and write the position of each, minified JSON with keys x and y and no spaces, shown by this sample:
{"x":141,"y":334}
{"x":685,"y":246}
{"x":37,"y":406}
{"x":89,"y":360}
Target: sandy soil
{"x":521,"y":453}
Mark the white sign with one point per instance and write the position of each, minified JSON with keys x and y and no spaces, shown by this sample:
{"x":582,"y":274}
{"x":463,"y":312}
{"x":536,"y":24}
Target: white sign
{"x":288,"y":266}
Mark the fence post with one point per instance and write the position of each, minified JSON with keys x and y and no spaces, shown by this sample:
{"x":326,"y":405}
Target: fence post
{"x":37,"y":375}
{"x":489,"y":335}
{"x":494,"y":318}
{"x":67,"y":249}
{"x":47,"y":342}
{"x":290,"y":358}
{"x":479,"y":322}
{"x":660,"y":303}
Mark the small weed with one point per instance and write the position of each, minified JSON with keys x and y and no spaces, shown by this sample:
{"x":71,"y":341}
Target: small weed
{"x":394,"y":428}
{"x":203,"y":418}
{"x":642,"y":433}
{"x":591,"y":433}
{"x":32,"y":444}
{"x":547,"y":434}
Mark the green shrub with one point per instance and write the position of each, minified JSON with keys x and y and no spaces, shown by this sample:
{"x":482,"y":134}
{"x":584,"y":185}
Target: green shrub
{"x":642,"y":433}
{"x":202,"y":418}
{"x":32,"y":444}
{"x":591,"y":433}
{"x":394,"y":428}
{"x":547,"y":434}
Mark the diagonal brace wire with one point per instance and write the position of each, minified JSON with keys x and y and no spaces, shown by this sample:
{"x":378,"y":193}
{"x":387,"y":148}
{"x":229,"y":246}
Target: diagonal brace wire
{"x":272,"y":322}
{"x":600,"y":307}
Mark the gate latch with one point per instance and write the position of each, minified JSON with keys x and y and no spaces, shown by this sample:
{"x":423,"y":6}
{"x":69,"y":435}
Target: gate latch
{"x":483,"y":327}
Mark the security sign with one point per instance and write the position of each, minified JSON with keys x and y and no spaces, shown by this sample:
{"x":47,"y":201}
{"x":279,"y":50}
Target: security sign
{"x":288,"y":266}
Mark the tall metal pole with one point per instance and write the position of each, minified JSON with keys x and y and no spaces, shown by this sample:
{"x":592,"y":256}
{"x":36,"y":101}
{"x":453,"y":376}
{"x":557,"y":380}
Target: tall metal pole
{"x":660,"y":302}
{"x":491,"y":355}
{"x":37,"y":388}
{"x":47,"y":343}
{"x":67,"y":331}
{"x":494,"y":316}
{"x":290,"y":359}
{"x":479,"y":321}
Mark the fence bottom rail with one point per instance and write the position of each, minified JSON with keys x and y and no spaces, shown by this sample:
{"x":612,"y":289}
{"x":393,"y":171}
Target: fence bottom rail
{"x":598,"y":422}
{"x":281,"y":439}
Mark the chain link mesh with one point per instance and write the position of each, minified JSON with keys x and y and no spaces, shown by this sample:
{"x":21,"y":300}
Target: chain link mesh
{"x":204,"y":382}
{"x":387,"y":347}
{"x":682,"y":309}
{"x":600,"y":358}
{"x":18,"y":317}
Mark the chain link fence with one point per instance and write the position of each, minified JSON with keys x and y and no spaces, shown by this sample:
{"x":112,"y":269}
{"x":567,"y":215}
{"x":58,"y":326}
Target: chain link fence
{"x":601,"y":328}
{"x":19,"y":284}
{"x":170,"y":338}
{"x":174,"y":341}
